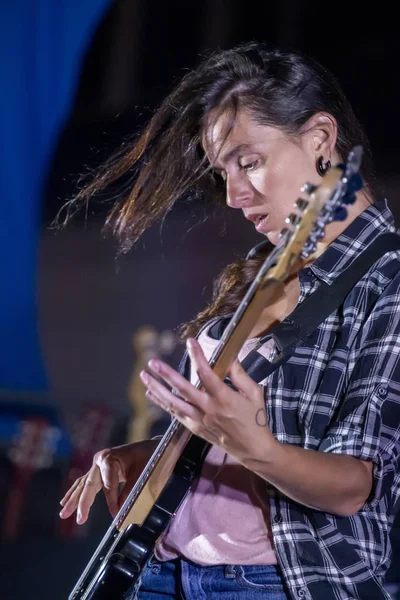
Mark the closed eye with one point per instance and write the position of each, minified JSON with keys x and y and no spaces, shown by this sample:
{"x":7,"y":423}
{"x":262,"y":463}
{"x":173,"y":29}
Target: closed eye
{"x":250,"y":166}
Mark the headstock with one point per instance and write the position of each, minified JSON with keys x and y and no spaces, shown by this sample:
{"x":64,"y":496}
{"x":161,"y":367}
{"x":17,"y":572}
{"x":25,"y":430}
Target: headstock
{"x":321,"y":205}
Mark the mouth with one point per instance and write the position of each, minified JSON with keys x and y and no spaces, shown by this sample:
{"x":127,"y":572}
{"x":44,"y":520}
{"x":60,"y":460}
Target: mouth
{"x":258,"y":220}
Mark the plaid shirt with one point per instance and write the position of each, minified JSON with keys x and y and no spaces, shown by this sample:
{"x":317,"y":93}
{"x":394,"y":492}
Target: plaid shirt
{"x":340,"y":392}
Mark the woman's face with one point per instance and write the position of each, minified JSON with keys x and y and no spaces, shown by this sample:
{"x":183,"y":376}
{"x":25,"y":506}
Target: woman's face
{"x":263,"y":170}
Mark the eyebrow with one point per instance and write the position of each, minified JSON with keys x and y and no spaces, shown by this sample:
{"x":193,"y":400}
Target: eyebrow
{"x":233,"y":153}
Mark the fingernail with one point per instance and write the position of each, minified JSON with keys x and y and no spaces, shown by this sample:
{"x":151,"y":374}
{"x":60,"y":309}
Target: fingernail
{"x":144,"y":376}
{"x":154,"y":364}
{"x":78,"y":516}
{"x":190,"y":343}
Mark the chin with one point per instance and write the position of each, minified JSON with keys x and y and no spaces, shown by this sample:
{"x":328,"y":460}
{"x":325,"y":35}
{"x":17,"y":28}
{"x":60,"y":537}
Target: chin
{"x":273,"y":237}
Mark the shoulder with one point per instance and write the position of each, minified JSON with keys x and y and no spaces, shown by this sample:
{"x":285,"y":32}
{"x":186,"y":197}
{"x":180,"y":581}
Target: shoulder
{"x":383,"y":276}
{"x":388,"y":265}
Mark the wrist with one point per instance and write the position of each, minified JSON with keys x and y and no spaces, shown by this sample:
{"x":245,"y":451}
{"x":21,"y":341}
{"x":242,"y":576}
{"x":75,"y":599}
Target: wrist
{"x":265,"y":452}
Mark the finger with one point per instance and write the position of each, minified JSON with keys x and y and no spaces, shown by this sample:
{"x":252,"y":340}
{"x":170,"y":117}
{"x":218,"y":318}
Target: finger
{"x":175,"y":406}
{"x":197,"y":357}
{"x":210,"y":381}
{"x":111,"y":475}
{"x":68,"y":494}
{"x":72,"y":503}
{"x":70,"y":500}
{"x":185,"y":389}
{"x":92,"y":484}
{"x":242,"y":382}
{"x":196,"y":354}
{"x":189,"y":400}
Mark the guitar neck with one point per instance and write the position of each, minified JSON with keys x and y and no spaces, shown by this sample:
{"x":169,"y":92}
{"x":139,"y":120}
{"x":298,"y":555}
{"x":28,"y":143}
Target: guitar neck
{"x":161,"y":465}
{"x":239,"y":329}
{"x":261,"y":293}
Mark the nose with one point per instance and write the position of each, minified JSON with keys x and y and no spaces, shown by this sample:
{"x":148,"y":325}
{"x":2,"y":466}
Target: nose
{"x":238,"y":191}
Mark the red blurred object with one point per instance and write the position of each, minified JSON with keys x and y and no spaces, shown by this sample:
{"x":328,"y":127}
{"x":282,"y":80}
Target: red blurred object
{"x":32,"y":450}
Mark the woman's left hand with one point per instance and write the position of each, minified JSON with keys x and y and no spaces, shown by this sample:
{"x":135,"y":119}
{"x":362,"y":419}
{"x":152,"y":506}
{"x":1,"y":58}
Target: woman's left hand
{"x":234,"y":420}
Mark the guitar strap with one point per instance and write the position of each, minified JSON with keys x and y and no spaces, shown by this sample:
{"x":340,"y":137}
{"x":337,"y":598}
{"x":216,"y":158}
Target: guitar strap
{"x":308,"y":315}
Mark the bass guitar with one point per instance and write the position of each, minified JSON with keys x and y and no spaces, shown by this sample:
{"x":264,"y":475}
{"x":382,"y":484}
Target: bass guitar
{"x":120,"y":558}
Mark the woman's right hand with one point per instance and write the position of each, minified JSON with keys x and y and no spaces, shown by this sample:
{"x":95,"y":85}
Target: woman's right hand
{"x":112,"y":466}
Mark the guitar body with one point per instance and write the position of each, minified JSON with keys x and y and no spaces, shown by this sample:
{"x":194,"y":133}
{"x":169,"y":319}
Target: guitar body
{"x":120,"y":562}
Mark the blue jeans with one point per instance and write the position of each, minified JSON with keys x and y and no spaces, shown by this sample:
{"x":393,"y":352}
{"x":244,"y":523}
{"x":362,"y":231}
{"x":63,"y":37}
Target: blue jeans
{"x":183,"y":580}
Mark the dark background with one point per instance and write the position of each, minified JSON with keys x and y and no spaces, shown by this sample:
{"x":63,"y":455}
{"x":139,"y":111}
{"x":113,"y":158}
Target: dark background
{"x":91,"y":302}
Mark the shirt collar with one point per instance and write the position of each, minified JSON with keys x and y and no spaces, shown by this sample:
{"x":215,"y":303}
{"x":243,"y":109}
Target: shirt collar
{"x":361,"y":232}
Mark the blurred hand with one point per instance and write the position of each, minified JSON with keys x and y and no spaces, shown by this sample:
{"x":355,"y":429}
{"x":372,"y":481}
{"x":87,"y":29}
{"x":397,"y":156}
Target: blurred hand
{"x":110,"y":468}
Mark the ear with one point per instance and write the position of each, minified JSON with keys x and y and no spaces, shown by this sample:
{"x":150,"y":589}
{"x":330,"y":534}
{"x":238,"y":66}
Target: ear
{"x":319,"y":133}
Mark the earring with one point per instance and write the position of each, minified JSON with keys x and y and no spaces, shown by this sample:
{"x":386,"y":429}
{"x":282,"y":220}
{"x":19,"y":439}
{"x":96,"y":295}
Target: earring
{"x":321,"y":169}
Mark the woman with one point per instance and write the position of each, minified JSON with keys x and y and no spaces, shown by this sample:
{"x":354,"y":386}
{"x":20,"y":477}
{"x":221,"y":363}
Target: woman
{"x":296,"y":496}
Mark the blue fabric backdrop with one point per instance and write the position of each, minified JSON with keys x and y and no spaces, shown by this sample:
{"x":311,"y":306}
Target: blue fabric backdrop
{"x":42,"y":44}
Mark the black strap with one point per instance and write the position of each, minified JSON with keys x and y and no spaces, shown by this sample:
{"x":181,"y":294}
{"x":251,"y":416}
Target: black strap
{"x":316,"y":308}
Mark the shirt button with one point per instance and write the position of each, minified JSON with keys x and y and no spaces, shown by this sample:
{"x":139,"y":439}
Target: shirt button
{"x":301,"y":592}
{"x":278,"y":519}
{"x":382,"y":391}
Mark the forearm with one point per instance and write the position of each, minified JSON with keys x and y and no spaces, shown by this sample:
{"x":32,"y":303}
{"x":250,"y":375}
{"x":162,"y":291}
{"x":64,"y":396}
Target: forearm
{"x":238,"y":423}
{"x":334,"y":483}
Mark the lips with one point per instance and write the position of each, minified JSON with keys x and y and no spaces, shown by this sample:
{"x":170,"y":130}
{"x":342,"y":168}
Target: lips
{"x":258,"y":219}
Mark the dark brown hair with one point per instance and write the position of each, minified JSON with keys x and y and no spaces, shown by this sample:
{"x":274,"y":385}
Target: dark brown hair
{"x":279,"y":89}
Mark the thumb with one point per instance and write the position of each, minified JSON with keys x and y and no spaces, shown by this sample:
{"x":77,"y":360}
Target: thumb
{"x":127,"y":488}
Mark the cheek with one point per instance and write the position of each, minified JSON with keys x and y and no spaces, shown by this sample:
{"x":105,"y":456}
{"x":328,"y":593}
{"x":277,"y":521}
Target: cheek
{"x":282,"y":193}
{"x":282,"y":190}
{"x":260,"y":181}
{"x":285,"y":183}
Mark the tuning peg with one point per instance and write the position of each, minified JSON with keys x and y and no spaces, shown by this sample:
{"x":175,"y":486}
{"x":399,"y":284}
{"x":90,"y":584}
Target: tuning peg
{"x":308,"y":188}
{"x":340,"y":214}
{"x":355,"y":183}
{"x":319,"y":233}
{"x":293,"y":219}
{"x":301,"y":204}
{"x":349,"y":198}
{"x":284,"y":232}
